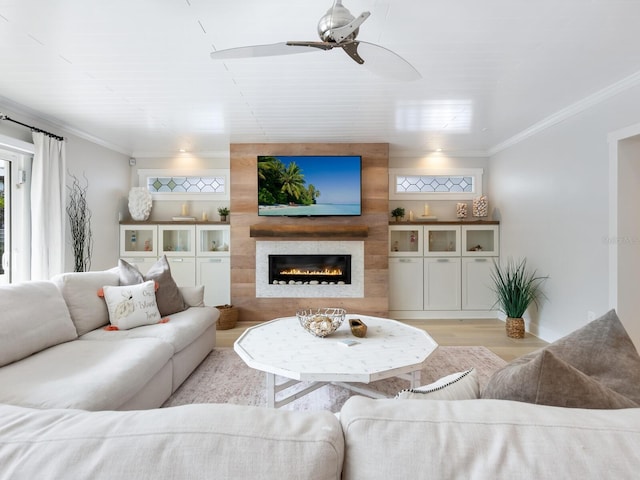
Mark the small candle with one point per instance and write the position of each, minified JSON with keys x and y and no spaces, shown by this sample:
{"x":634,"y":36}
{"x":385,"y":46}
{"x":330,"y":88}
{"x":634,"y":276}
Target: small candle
{"x":411,"y":215}
{"x":204,"y":215}
{"x":184,"y":210}
{"x":426,"y":209}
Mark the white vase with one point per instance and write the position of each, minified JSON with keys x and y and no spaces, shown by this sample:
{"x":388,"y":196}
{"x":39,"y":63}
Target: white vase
{"x":139,"y":203}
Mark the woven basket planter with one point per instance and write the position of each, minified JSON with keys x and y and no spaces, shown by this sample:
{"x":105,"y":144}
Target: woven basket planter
{"x":515,"y":327}
{"x":228,"y":317}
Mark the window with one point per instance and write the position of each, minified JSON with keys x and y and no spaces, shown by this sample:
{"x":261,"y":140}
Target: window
{"x":174,"y":185}
{"x":453,"y":184}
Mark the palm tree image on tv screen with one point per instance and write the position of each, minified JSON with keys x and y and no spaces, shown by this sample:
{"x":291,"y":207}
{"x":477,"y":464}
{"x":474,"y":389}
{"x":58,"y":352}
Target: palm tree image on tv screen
{"x":309,"y":185}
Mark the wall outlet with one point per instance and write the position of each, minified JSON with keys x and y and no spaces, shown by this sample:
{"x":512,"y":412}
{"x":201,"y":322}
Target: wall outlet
{"x":591,"y":315}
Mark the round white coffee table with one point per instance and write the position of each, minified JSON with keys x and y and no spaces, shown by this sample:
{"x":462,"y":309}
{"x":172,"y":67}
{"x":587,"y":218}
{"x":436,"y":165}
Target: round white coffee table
{"x":283,"y":348}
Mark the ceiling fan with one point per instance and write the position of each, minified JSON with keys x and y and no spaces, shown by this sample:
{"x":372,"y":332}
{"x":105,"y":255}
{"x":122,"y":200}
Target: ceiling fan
{"x":338,"y":28}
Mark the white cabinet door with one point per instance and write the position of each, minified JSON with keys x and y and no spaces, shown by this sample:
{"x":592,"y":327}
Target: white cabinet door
{"x":442,"y":283}
{"x":177,"y":240}
{"x":477,"y":291}
{"x":405,"y":283}
{"x":138,"y":240}
{"x":215,"y":274}
{"x":405,"y":241}
{"x":480,"y":241}
{"x":183,"y":270}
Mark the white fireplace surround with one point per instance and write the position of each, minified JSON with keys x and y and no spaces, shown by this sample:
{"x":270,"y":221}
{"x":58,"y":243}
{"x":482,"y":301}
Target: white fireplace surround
{"x":264,"y":289}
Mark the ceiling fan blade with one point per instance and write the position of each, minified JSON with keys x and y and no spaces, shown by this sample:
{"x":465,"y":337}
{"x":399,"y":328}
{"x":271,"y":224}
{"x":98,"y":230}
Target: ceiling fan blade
{"x":385,"y":63}
{"x":340,"y":33}
{"x":269,"y":50}
{"x":319,"y":45}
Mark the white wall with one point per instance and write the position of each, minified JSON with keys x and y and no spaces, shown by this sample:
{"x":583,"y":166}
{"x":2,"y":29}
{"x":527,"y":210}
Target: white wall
{"x":107,"y":173}
{"x":551,"y":195}
{"x":108,"y":176}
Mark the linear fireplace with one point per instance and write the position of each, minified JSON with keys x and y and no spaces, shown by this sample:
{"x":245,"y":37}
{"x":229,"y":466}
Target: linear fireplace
{"x":310,"y":269}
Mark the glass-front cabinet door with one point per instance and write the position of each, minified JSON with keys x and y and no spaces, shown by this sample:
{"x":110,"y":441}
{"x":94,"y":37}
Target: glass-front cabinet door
{"x":405,"y":241}
{"x":441,"y":240}
{"x":212,"y":240}
{"x":177,"y":240}
{"x":480,"y":240}
{"x":138,"y":241}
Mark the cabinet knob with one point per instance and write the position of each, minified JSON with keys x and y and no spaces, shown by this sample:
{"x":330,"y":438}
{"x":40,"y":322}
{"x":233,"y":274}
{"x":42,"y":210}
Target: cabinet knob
{"x":480,"y":259}
{"x":443,"y":260}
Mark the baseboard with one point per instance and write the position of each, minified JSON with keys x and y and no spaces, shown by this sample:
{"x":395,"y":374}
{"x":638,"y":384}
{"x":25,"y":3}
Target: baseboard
{"x":442,"y":314}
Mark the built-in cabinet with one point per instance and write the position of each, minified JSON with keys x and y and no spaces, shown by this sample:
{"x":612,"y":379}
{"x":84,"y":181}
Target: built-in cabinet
{"x":442,"y":269}
{"x":197,"y":254}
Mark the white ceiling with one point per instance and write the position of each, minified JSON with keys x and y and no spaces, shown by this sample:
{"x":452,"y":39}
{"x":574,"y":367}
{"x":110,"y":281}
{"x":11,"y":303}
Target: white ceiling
{"x":136,"y":74}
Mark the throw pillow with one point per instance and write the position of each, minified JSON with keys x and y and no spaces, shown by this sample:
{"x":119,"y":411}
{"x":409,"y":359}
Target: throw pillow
{"x":193,"y":296}
{"x":132,"y":305}
{"x":168,"y":295}
{"x":597,"y":366}
{"x":457,"y":386}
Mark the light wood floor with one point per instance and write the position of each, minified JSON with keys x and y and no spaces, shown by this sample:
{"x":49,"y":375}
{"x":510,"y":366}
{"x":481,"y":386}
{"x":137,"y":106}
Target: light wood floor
{"x":489,"y":333}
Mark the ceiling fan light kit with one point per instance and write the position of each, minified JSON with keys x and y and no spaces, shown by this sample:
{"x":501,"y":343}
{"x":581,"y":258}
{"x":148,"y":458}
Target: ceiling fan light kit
{"x":337,"y":28}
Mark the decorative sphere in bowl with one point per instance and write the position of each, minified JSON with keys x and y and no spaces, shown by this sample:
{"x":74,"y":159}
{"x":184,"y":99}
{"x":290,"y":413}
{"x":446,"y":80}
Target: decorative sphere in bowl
{"x":321,"y":321}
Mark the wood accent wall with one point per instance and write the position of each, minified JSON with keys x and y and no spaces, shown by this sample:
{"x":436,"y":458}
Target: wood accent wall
{"x":244,"y":215}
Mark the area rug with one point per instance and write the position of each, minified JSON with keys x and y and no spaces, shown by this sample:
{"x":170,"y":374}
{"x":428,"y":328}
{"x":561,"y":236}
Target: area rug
{"x":224,"y":378}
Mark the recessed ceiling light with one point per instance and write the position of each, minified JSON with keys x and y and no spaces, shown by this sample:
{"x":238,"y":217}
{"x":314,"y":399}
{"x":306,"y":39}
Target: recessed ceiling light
{"x":183,"y":150}
{"x":438,"y":149}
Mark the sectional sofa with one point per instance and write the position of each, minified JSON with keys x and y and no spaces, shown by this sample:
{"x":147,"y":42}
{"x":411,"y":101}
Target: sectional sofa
{"x":372,"y":439}
{"x":58,"y":348}
{"x":59,"y":364}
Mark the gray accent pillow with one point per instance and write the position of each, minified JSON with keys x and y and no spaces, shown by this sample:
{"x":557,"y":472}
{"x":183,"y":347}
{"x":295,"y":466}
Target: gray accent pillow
{"x":597,"y":366}
{"x":168,"y":296}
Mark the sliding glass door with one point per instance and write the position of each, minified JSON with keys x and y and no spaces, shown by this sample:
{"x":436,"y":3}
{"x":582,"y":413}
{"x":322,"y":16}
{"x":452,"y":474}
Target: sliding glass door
{"x":5,"y":222}
{"x":15,"y":216}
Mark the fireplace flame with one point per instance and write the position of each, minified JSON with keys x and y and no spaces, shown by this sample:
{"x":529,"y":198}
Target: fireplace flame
{"x":325,"y":272}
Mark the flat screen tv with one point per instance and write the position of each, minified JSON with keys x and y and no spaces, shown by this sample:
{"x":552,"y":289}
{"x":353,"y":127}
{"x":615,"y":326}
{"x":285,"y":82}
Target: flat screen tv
{"x":307,"y":186}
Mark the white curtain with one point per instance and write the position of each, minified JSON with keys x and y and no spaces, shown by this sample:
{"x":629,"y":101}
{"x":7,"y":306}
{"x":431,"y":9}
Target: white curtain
{"x":47,"y":207}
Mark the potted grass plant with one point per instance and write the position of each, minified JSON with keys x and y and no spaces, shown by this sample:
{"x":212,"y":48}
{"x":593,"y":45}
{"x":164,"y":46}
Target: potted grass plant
{"x":516,"y":287}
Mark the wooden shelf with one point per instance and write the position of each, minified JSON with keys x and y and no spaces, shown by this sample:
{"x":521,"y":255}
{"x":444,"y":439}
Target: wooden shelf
{"x":172,"y":222}
{"x":447,"y":222}
{"x":309,"y":231}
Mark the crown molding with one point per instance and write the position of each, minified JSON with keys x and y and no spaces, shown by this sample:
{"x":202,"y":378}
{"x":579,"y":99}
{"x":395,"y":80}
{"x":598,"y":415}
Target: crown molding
{"x":573,"y":109}
{"x":54,"y":124}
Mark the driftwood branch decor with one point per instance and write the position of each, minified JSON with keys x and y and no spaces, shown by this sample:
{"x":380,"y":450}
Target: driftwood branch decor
{"x":80,"y":224}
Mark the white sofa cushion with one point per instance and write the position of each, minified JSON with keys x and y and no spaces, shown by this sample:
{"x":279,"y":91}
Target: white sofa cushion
{"x":191,"y":442}
{"x":33,"y":316}
{"x":87,"y":375}
{"x":181,"y":330}
{"x":80,"y":291}
{"x":486,"y":439}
